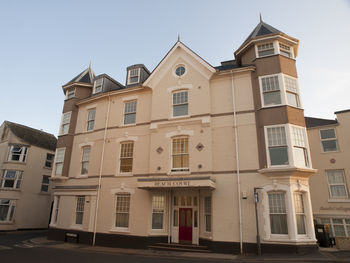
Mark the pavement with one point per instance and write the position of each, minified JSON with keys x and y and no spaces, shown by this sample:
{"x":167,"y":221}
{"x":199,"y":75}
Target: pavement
{"x":323,"y":255}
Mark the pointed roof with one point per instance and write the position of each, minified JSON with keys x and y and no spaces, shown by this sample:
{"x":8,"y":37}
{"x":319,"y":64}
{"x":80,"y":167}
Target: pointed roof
{"x":262,"y":29}
{"x":33,"y":136}
{"x":87,"y":76}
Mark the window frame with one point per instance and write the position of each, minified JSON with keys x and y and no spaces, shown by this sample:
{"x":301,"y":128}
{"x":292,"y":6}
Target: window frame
{"x":65,"y":123}
{"x":285,"y":213}
{"x":9,"y":218}
{"x":17,"y":180}
{"x":179,"y":104}
{"x":337,"y":184}
{"x":298,"y":213}
{"x":45,"y":184}
{"x":92,"y":120}
{"x":264,"y":44}
{"x":282,"y":85}
{"x":79,"y":210}
{"x":70,"y":94}
{"x":22,"y":155}
{"x":116,"y":212}
{"x":291,"y":51}
{"x":207,"y":214}
{"x":125,"y":113}
{"x":329,"y":139}
{"x":47,"y":160}
{"x":277,"y":47}
{"x":98,"y":85}
{"x":179,"y":169}
{"x":85,"y":160}
{"x":137,"y":75}
{"x":124,"y":158}
{"x":60,"y":162}
{"x":56,"y":210}
{"x":160,"y":212}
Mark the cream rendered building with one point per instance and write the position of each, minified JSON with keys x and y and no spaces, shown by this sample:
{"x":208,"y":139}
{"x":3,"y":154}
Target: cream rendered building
{"x":174,"y":155}
{"x":330,"y":151}
{"x":26,"y":159}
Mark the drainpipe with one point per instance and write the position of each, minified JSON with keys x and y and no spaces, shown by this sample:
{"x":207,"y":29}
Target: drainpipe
{"x":237,"y":165}
{"x":100,"y":172}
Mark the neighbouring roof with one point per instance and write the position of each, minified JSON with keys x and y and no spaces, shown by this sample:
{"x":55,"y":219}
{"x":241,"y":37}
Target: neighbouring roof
{"x":33,"y":136}
{"x":87,"y":76}
{"x":316,"y":122}
{"x":342,"y":111}
{"x":225,"y":65}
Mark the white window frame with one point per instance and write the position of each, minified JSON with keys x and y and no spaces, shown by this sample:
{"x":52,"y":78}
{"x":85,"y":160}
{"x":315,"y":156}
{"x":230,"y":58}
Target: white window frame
{"x":264,"y":44}
{"x":79,"y":209}
{"x":47,"y":160}
{"x":329,"y":139}
{"x":98,"y":86}
{"x":127,"y":111}
{"x":280,"y":213}
{"x":45,"y":184}
{"x":158,"y":211}
{"x":70,"y":94}
{"x":282,"y":89}
{"x":337,"y":184}
{"x":65,"y":121}
{"x":180,"y":169}
{"x":61,"y":162}
{"x":16,"y":180}
{"x":290,"y":146}
{"x":330,"y":221}
{"x":276,"y":49}
{"x":85,"y":159}
{"x":281,"y":47}
{"x":91,"y":116}
{"x":123,"y":157}
{"x":138,"y":75}
{"x":300,"y":213}
{"x":121,"y":211}
{"x":22,"y":156}
{"x":207,"y":210}
{"x":54,"y":218}
{"x":10,"y":212}
{"x":179,"y":104}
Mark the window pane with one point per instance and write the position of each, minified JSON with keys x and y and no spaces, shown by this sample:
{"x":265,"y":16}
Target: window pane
{"x":44,"y":188}
{"x":4,"y":208}
{"x":276,"y":136}
{"x":279,"y":155}
{"x":157,"y":221}
{"x":59,"y":168}
{"x":272,"y":98}
{"x":126,"y":165}
{"x":335,"y":177}
{"x":300,"y":157}
{"x":330,"y":145}
{"x":270,"y":83}
{"x":176,"y":218}
{"x":339,"y":230}
{"x":180,"y":110}
{"x":338,"y":191}
{"x":130,"y":118}
{"x":84,"y":167}
{"x":266,"y":53}
{"x":122,"y":220}
{"x":292,"y":99}
{"x":327,"y":134}
{"x":46,"y":179}
{"x":278,"y":224}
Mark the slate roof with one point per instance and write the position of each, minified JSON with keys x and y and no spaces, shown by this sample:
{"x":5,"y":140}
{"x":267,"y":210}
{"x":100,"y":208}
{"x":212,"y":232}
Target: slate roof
{"x":87,"y":76}
{"x":342,"y":111}
{"x":33,"y":136}
{"x":316,"y":122}
{"x":262,"y":29}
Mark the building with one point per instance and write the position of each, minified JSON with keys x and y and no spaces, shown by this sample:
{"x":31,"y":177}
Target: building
{"x":26,"y":159}
{"x":175,"y":154}
{"x":330,"y":151}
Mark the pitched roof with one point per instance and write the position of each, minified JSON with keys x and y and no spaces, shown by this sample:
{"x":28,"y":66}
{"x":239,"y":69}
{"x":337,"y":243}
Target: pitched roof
{"x":262,"y":29}
{"x":87,"y":76}
{"x":33,"y":136}
{"x":316,"y":122}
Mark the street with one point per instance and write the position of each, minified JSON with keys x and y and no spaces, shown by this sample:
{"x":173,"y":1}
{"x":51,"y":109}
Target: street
{"x":32,"y":246}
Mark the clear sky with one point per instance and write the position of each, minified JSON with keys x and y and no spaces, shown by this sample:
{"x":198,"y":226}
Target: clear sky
{"x":44,"y":44}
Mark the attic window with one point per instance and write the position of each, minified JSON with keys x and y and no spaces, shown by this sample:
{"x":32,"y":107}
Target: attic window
{"x":98,"y":86}
{"x":133,"y":76}
{"x":70,"y":94}
{"x":266,"y":50}
{"x":285,"y":50}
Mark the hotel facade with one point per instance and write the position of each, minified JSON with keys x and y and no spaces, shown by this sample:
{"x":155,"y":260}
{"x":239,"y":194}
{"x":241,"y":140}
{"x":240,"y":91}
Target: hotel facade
{"x":174,"y":155}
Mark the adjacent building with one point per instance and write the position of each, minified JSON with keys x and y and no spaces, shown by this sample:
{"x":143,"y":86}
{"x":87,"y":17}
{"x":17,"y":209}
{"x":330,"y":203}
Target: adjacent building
{"x":26,"y":160}
{"x":174,"y":155}
{"x":330,"y":151}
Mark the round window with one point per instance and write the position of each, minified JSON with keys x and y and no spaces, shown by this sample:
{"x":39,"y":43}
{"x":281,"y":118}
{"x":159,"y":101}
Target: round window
{"x":180,"y":70}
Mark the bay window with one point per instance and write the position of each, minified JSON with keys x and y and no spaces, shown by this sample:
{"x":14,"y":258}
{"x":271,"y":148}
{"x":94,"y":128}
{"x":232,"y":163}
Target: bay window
{"x":59,"y":160}
{"x":277,"y":146}
{"x":299,"y":213}
{"x":278,"y":214}
{"x":65,"y":123}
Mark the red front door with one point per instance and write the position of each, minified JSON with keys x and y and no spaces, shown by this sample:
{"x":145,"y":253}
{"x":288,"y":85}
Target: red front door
{"x":185,"y":226}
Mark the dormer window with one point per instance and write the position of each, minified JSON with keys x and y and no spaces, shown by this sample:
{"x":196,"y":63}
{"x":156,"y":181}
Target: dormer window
{"x":266,"y":50}
{"x":133,"y":76}
{"x":98,"y":86}
{"x":285,"y":50}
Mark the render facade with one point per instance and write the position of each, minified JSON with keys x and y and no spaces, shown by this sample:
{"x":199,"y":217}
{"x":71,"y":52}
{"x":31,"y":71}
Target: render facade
{"x":26,"y":160}
{"x":174,"y":155}
{"x":330,"y":151}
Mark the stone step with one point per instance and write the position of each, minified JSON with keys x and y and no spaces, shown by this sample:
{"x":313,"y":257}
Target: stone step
{"x":179,"y":247}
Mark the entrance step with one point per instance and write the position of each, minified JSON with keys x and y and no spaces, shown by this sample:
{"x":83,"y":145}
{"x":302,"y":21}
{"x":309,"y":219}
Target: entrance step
{"x":180,"y":247}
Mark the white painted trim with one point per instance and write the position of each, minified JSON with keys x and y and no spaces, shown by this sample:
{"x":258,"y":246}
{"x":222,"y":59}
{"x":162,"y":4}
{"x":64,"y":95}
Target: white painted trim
{"x":179,"y":132}
{"x":125,"y":99}
{"x":179,"y":87}
{"x":127,"y":138}
{"x":90,"y":107}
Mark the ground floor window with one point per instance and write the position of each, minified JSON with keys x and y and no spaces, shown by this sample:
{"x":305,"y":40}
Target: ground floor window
{"x":339,"y":227}
{"x":122,"y":210}
{"x":79,"y":211}
{"x":299,"y":213}
{"x":278,"y":215}
{"x":158,"y":204}
{"x":57,"y":205}
{"x":207,"y":213}
{"x":7,"y":210}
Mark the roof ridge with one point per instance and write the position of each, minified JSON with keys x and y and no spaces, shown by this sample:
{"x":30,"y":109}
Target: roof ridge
{"x":30,"y":128}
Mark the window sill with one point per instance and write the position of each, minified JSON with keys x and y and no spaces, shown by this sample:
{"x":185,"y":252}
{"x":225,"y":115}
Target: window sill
{"x":59,"y":178}
{"x":128,"y":125}
{"x":279,"y":105}
{"x":180,"y":117}
{"x":15,"y":162}
{"x":179,"y":172}
{"x":124,"y":174}
{"x":44,"y":193}
{"x":156,"y":232}
{"x":77,"y":227}
{"x":7,"y":222}
{"x":330,"y":151}
{"x":343,"y":200}
{"x":47,"y":168}
{"x":82,"y":176}
{"x":10,"y":189}
{"x":120,"y":230}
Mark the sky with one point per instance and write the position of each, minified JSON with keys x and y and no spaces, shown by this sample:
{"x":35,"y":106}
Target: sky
{"x":44,"y":44}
